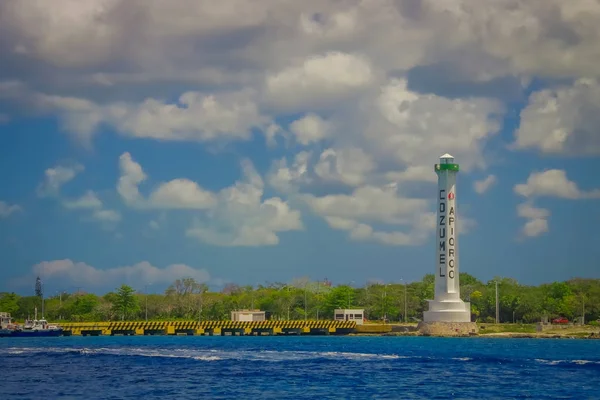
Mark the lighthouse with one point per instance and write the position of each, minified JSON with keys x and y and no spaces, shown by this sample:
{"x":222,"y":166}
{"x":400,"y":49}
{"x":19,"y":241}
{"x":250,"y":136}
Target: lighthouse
{"x":447,"y":305}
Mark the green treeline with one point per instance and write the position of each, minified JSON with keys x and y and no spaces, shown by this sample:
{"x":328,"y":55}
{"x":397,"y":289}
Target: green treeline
{"x":190,"y":300}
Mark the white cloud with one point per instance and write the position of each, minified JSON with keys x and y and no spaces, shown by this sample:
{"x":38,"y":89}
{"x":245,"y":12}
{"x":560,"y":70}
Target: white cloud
{"x":368,"y":205}
{"x":535,"y":227}
{"x":99,"y":43}
{"x":55,"y":178}
{"x":58,"y":176}
{"x":88,"y":201}
{"x":549,"y":183}
{"x":319,"y":80}
{"x":537,"y":219}
{"x":7,"y":209}
{"x":527,"y":210}
{"x":106,"y":215}
{"x":182,"y":193}
{"x":69,"y":272}
{"x":361,"y":65}
{"x":194,"y":117}
{"x":413,"y":174}
{"x":347,"y":165}
{"x":235,"y":216}
{"x":483,"y":185}
{"x":553,"y":183}
{"x":563,"y":120}
{"x":412,"y":128}
{"x":176,"y":194}
{"x":310,"y":129}
{"x":242,"y":218}
{"x":131,"y":176}
{"x":287,"y":179}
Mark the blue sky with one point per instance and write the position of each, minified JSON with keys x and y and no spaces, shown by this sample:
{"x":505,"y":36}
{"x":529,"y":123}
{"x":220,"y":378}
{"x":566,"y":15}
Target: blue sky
{"x":256,"y":149}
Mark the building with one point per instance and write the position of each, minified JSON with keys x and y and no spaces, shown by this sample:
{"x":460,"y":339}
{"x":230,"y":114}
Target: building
{"x":350,"y":314}
{"x":248,"y":315}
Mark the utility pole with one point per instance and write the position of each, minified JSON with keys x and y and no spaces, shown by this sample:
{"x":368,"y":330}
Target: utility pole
{"x":582,"y":309}
{"x":497,"y":308}
{"x":146,"y":290}
{"x":405,"y":304}
{"x":305,"y":302}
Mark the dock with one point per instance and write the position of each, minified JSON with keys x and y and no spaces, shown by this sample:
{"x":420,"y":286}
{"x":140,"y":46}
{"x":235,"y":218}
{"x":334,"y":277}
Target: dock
{"x":208,"y":328}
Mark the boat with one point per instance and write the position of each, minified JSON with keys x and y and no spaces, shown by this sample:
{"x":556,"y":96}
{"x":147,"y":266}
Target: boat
{"x":31,"y":328}
{"x":6,"y":324}
{"x":37,"y":328}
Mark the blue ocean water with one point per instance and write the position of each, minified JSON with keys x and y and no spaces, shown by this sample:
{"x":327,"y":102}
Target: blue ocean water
{"x":321,"y":367}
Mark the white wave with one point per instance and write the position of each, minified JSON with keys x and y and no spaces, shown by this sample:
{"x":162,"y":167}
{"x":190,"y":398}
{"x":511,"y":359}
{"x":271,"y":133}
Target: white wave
{"x":556,"y":362}
{"x":206,"y":354}
{"x":462,"y":358}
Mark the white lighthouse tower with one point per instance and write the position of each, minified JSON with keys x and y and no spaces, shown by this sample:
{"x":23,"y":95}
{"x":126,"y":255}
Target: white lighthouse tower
{"x":447,"y":305}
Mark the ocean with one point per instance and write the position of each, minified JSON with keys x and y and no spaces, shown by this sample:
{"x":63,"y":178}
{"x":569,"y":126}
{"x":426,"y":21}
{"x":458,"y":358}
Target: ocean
{"x":304,"y":367}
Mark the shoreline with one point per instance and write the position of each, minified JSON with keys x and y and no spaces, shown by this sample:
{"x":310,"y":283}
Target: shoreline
{"x":486,"y":330}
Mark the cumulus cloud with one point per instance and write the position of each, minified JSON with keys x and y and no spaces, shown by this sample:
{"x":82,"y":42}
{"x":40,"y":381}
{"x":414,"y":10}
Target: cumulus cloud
{"x":242,"y":218}
{"x":176,"y":194}
{"x":88,"y":201}
{"x":7,"y":209}
{"x":56,"y":177}
{"x":483,"y":185}
{"x":553,"y":183}
{"x":319,"y":80}
{"x":310,"y":129}
{"x":549,"y":183}
{"x":380,"y":215}
{"x":410,"y":128}
{"x":537,"y":219}
{"x":68,"y":272}
{"x":235,"y":216}
{"x":347,"y":165}
{"x":286,"y":179}
{"x":182,"y":193}
{"x":194,"y":117}
{"x":347,"y":73}
{"x":563,"y":120}
{"x":368,"y":206}
{"x":328,"y":39}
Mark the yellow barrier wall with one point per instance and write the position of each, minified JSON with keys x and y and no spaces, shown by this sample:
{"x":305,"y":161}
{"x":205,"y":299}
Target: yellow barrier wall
{"x":198,"y":327}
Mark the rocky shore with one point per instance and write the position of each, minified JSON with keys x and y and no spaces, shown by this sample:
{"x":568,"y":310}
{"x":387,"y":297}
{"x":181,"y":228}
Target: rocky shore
{"x":510,"y":331}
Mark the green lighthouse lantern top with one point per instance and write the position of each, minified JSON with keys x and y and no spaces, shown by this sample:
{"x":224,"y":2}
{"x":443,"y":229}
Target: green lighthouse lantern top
{"x":446,"y":164}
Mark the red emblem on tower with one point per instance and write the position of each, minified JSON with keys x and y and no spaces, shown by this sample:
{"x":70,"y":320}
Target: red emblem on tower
{"x":450,"y":196}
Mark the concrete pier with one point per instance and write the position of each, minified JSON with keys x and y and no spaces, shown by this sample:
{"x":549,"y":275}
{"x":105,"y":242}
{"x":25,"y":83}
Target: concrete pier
{"x":230,"y":328}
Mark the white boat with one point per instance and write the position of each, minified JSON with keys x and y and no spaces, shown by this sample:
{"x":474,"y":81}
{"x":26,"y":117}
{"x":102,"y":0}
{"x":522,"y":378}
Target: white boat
{"x":7,"y":327}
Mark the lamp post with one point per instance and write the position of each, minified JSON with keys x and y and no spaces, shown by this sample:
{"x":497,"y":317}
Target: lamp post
{"x":384,"y":301}
{"x":146,"y":291}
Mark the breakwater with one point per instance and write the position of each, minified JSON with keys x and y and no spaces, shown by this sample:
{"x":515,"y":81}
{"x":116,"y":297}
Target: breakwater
{"x":236,"y":328}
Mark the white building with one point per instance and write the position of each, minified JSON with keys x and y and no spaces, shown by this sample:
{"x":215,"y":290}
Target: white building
{"x":349,"y":314}
{"x":248,"y":315}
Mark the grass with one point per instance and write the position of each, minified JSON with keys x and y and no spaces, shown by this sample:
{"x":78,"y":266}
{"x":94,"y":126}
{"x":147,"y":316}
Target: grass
{"x":506,"y":328}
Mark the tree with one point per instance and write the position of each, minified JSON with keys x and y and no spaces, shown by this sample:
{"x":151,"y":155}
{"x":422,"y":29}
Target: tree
{"x":125,"y":302}
{"x":38,"y":287}
{"x":339,"y":297}
{"x":9,"y":302}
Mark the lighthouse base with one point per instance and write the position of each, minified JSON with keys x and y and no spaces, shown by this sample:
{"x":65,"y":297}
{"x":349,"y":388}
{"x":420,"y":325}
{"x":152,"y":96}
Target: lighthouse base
{"x":454,"y":310}
{"x":448,"y":328}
